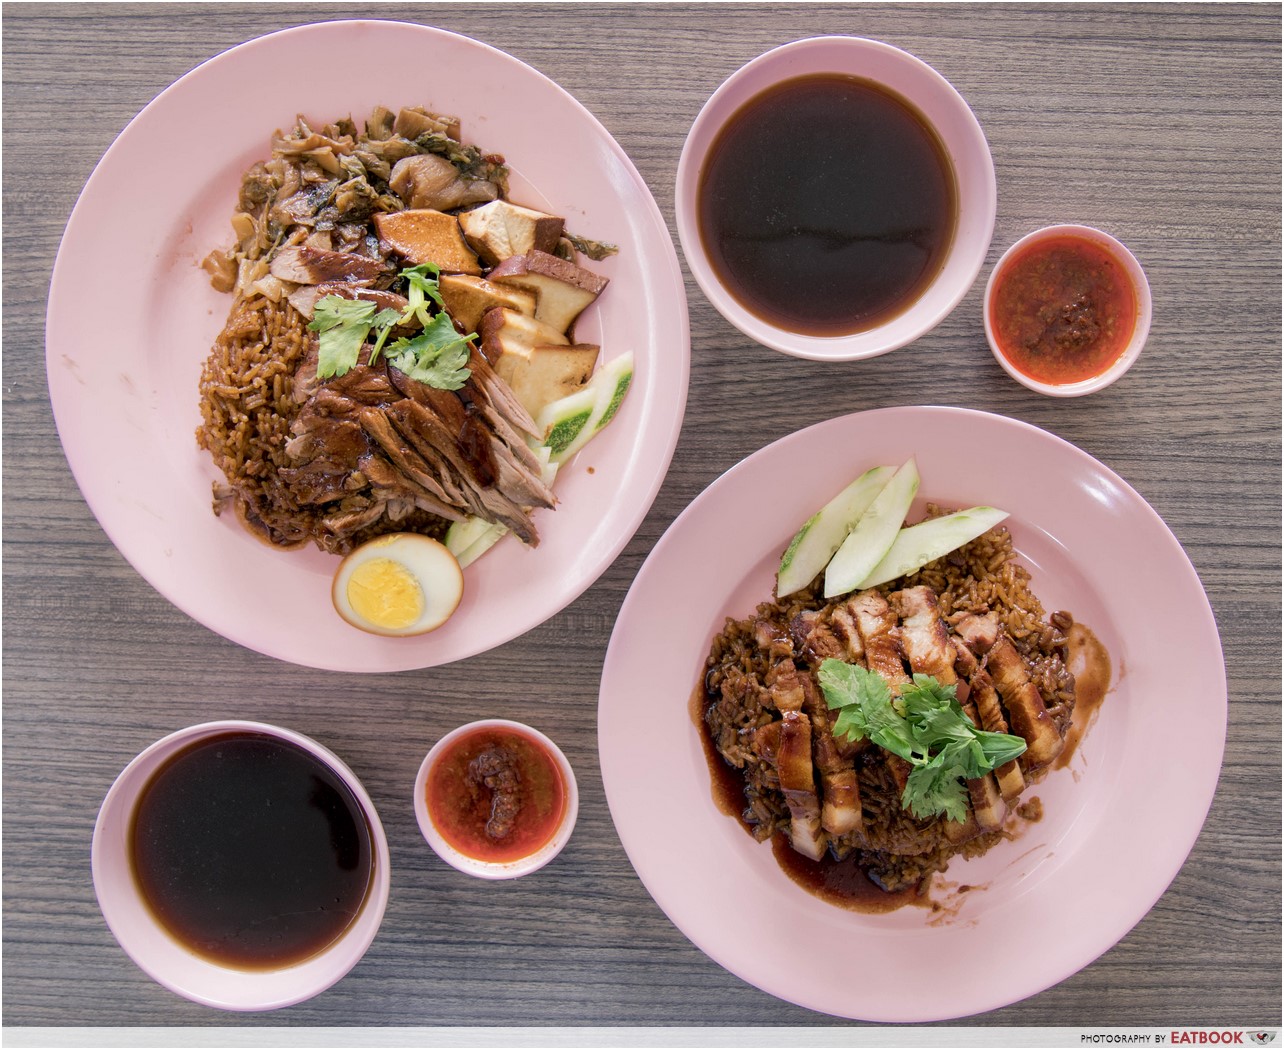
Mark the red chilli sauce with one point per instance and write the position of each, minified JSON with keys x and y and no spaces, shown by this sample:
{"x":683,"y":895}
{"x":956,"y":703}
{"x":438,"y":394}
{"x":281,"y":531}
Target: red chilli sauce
{"x":1064,"y":310}
{"x":496,"y":794}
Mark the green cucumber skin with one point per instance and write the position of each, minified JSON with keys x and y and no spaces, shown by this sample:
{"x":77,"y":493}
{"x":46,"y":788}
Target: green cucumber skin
{"x":920,"y":544}
{"x":824,"y":532}
{"x":565,"y":431}
{"x":875,"y":532}
{"x":617,"y":398}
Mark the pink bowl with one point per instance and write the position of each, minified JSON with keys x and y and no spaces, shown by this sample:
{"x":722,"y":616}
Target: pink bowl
{"x":956,"y":126}
{"x":171,"y":964}
{"x":485,"y":869}
{"x":1140,"y":331}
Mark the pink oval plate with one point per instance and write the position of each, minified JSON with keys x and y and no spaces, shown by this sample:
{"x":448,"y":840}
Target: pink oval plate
{"x":131,"y":318}
{"x":1118,"y":821}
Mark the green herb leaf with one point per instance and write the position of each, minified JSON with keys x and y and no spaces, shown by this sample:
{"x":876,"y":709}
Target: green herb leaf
{"x":342,"y":326}
{"x":926,"y":726}
{"x":437,"y":356}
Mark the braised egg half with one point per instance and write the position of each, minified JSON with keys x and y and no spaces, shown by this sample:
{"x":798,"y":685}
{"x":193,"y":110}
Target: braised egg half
{"x":400,"y":584}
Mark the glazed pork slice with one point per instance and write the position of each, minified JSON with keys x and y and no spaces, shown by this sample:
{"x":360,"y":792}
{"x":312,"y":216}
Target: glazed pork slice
{"x":986,"y":701}
{"x":813,"y":639}
{"x":840,"y":811}
{"x":924,"y":636}
{"x":879,"y":637}
{"x":1026,"y":711}
{"x":798,"y":784}
{"x":1025,"y":706}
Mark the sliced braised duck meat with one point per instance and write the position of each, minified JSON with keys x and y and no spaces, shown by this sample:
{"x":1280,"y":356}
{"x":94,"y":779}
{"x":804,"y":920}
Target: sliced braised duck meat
{"x":1026,"y":711}
{"x":840,"y":812}
{"x":985,"y":698}
{"x":306,"y":296}
{"x":877,"y":625}
{"x":327,"y":439}
{"x":843,"y":624}
{"x":487,"y":502}
{"x":315,"y":483}
{"x":965,"y":661}
{"x":345,"y":523}
{"x":477,"y":398}
{"x":391,"y":483}
{"x":500,"y":394}
{"x":924,"y":636}
{"x":516,"y":480}
{"x":405,"y":459}
{"x":813,"y":640}
{"x":364,"y":385}
{"x":798,"y":785}
{"x":453,"y":485}
{"x":304,"y":265}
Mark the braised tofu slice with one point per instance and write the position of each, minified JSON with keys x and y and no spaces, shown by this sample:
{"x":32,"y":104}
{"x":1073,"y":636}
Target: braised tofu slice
{"x":424,"y":235}
{"x":562,"y":289}
{"x":500,"y":230}
{"x":502,"y":328}
{"x":467,"y":299}
{"x":540,"y":375}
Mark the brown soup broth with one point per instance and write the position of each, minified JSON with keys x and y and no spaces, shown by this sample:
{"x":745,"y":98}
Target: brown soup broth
{"x":251,"y":852}
{"x":827,"y":205}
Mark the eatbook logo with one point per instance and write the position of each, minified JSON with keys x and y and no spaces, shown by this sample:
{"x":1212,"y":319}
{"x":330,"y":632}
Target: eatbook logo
{"x":1262,"y":1038}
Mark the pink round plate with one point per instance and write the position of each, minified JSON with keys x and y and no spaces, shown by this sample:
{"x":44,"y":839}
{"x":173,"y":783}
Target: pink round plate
{"x":1118,"y":821}
{"x":131,"y":318}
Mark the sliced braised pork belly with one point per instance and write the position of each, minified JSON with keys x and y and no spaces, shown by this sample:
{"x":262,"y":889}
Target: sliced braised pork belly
{"x":798,"y":784}
{"x":985,"y":698}
{"x":877,"y":625}
{"x":813,"y":639}
{"x":840,"y":812}
{"x":1026,"y":710}
{"x":924,"y":636}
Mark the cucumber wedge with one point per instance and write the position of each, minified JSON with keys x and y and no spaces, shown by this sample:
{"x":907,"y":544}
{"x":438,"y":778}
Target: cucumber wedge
{"x":874,"y":533}
{"x":569,"y":423}
{"x":919,"y":544}
{"x":467,"y":540}
{"x":822,"y":534}
{"x":483,"y":543}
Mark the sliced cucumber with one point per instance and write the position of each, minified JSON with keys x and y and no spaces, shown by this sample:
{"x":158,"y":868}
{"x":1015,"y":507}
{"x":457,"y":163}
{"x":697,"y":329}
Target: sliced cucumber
{"x":483,"y":543}
{"x":569,"y":423}
{"x":919,"y":544}
{"x":822,"y":534}
{"x":467,"y":540}
{"x":872,"y":537}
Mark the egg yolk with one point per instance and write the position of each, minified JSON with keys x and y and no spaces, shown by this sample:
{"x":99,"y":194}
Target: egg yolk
{"x":385,"y":593}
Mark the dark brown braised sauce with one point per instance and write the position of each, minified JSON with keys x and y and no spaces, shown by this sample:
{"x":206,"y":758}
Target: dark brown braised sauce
{"x":250,"y":852}
{"x":1089,"y":662}
{"x":827,"y":205}
{"x":839,"y":882}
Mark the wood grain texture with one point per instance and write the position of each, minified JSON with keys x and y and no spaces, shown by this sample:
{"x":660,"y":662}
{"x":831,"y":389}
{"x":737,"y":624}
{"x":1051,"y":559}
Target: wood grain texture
{"x":1159,"y":122}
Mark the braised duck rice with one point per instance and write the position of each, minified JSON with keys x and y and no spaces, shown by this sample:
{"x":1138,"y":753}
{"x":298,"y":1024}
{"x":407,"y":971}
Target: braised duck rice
{"x":969,"y":620}
{"x":338,"y":214}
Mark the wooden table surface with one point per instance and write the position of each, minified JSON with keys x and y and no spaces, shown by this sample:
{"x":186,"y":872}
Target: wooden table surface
{"x":1160,"y":123}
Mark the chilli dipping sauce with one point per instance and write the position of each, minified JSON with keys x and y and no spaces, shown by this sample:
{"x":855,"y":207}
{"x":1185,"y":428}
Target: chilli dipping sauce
{"x":496,"y":794}
{"x":1063,"y":309}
